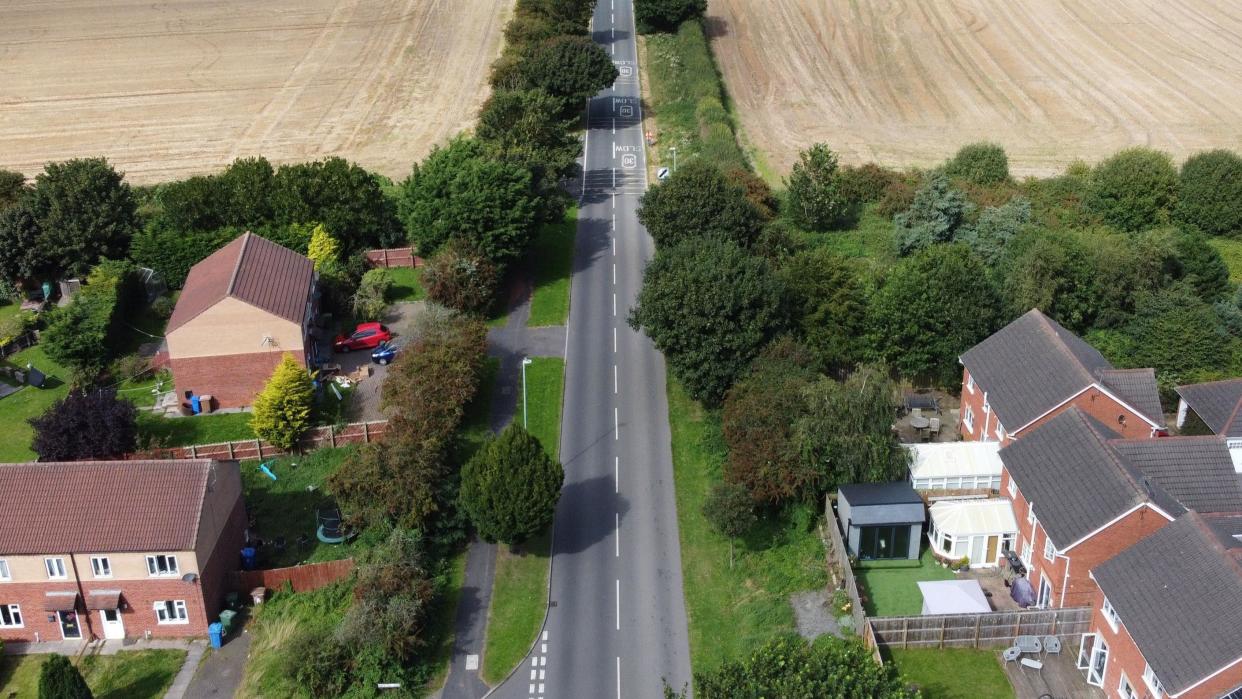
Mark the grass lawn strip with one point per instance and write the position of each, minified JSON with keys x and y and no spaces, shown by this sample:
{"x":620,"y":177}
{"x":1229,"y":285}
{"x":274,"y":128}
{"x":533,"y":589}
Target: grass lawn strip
{"x":551,"y":260}
{"x":894,"y":591}
{"x":144,"y":674}
{"x":406,"y":285}
{"x":732,"y":611}
{"x":953,"y":673}
{"x":15,"y":409}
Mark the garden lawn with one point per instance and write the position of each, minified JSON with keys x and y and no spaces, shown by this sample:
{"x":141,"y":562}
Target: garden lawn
{"x":953,"y":673}
{"x":551,"y":262}
{"x":1231,"y":250}
{"x":893,"y":590}
{"x":144,"y":674}
{"x":732,"y":611}
{"x":277,"y":622}
{"x":545,"y":381}
{"x":406,"y":284}
{"x":285,"y":507}
{"x":160,"y":431}
{"x":15,"y":409}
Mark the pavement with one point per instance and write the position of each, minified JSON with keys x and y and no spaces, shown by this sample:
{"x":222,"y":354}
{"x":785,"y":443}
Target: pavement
{"x":220,"y":673}
{"x":616,"y":623}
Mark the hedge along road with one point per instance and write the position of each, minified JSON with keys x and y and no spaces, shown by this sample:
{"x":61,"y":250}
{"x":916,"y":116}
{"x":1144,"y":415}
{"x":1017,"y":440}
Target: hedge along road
{"x":616,"y":625}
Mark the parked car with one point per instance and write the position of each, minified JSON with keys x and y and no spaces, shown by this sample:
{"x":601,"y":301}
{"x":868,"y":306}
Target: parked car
{"x":365,"y":336}
{"x":386,"y":352}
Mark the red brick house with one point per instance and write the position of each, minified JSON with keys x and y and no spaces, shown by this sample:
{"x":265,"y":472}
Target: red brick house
{"x":1218,"y":404}
{"x":1081,"y":495}
{"x":116,"y":549}
{"x":1168,"y":614}
{"x":1033,"y":369}
{"x":242,"y":309}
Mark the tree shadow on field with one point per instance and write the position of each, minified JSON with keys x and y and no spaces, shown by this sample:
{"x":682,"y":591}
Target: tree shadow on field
{"x":715,"y":27}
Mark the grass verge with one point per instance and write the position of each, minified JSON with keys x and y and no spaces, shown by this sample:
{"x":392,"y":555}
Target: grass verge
{"x":551,"y":262}
{"x":406,"y":285}
{"x":144,"y":674}
{"x":545,"y":381}
{"x":953,"y":673}
{"x":733,"y":610}
{"x":894,"y":591}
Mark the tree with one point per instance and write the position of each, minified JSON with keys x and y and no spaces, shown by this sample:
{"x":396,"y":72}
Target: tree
{"x":245,"y":192}
{"x":462,"y":278}
{"x":931,"y":308}
{"x":525,"y":127}
{"x":190,"y":205}
{"x":92,"y":424}
{"x":979,"y":163}
{"x":323,"y":248}
{"x":1211,"y":193}
{"x":653,"y":16}
{"x":997,"y":225}
{"x":730,"y":511}
{"x":699,"y":201}
{"x":788,"y":666}
{"x":816,"y":199}
{"x":1134,"y":189}
{"x":1202,"y":266}
{"x":394,"y":597}
{"x":12,"y":187}
{"x":22,"y":256}
{"x":570,"y":68}
{"x":85,"y":212}
{"x":710,"y":308}
{"x":758,"y":193}
{"x":934,"y":217}
{"x":458,"y":191}
{"x":510,"y":487}
{"x":59,"y":679}
{"x":282,"y":412}
{"x":371,"y":298}
{"x":83,"y":335}
{"x":1178,"y":335}
{"x":828,"y":303}
{"x":342,"y":196}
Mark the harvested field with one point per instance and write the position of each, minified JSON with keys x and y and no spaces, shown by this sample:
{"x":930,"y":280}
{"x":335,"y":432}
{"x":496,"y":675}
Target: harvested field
{"x":174,"y":88}
{"x":906,"y":82}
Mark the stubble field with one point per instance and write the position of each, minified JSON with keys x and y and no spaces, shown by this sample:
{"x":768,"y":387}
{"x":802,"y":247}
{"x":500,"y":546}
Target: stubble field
{"x":906,"y":82}
{"x":173,"y":88}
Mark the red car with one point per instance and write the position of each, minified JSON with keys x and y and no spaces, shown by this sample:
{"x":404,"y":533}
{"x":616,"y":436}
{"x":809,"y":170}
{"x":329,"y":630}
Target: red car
{"x":366,"y":336}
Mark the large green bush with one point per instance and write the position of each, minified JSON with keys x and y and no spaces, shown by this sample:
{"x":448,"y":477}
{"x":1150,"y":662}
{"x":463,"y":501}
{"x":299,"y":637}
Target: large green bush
{"x":1134,"y":190}
{"x":666,"y":15}
{"x":1211,"y":193}
{"x":510,"y":487}
{"x":816,"y":199}
{"x":699,"y":201}
{"x":980,"y":163}
{"x":935,"y":216}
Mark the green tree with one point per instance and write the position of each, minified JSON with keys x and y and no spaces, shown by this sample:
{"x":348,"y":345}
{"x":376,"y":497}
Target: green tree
{"x":730,"y":511}
{"x":525,"y":127}
{"x":1134,"y":189}
{"x":1211,"y":193}
{"x":1054,"y":272}
{"x":12,"y":187}
{"x":22,"y":255}
{"x":935,"y":216}
{"x":979,"y":163}
{"x":699,"y":201}
{"x":371,"y":298}
{"x":322,"y":248}
{"x":1178,"y":335}
{"x":997,"y":225}
{"x":84,"y":334}
{"x":282,"y":412}
{"x":342,"y":196}
{"x":710,"y":308}
{"x":828,"y":303}
{"x":86,"y":425}
{"x":510,"y":487}
{"x":1202,"y":266}
{"x":190,"y":205}
{"x":85,"y":212}
{"x":570,"y":68}
{"x":59,"y":679}
{"x":816,"y":198}
{"x":666,"y":15}
{"x":394,"y":598}
{"x":246,"y":192}
{"x":931,"y":308}
{"x":462,"y":278}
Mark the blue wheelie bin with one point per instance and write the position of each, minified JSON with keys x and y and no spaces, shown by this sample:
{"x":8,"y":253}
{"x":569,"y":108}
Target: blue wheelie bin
{"x":215,"y":631}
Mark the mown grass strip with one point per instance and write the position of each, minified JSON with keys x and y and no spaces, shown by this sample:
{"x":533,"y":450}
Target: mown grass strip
{"x":551,"y":263}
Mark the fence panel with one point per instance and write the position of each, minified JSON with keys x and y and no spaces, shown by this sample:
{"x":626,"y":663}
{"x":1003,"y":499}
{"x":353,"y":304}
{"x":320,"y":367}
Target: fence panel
{"x":992,"y":629}
{"x":303,"y":578}
{"x":839,"y":566}
{"x":394,"y":257}
{"x":241,"y":450}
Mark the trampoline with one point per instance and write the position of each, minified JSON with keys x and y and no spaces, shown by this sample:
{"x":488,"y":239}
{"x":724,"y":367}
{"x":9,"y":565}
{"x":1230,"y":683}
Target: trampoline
{"x":330,"y":529}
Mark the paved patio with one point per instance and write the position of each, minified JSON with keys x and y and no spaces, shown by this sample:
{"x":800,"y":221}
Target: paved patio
{"x":993,"y":588}
{"x":1058,"y":678}
{"x":949,"y":416}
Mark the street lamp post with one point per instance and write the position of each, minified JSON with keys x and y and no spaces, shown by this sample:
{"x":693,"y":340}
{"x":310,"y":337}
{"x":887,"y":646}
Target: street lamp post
{"x":526,"y":361}
{"x":674,"y":149}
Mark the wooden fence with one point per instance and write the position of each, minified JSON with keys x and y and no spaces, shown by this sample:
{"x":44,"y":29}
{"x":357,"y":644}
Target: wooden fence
{"x":394,"y":257}
{"x":303,"y":578}
{"x":19,"y":343}
{"x":839,"y":566}
{"x":991,"y":629}
{"x":316,"y":438}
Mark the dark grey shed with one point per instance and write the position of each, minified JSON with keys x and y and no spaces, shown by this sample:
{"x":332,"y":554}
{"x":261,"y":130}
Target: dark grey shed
{"x":881,"y":520}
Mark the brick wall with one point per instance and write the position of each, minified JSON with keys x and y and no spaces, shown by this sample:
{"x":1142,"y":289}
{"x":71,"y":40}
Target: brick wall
{"x":30,"y":597}
{"x":1099,"y":405}
{"x":138,"y":612}
{"x":232,"y":380}
{"x":223,"y":561}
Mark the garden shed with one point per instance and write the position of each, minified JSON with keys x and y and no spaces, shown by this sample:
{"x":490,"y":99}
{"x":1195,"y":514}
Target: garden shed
{"x":881,"y":520}
{"x":955,"y":465}
{"x":981,"y":529}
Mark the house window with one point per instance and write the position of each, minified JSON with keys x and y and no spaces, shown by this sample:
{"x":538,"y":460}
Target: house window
{"x":162,"y":565}
{"x":1007,"y":542}
{"x":1152,"y":682}
{"x":55,"y":568}
{"x":1026,"y":553}
{"x":1050,"y":551}
{"x":5,"y":575}
{"x":968,"y":419}
{"x":1235,"y":694}
{"x":1110,"y":614}
{"x":970,"y":383}
{"x":101,"y":567}
{"x":1030,"y":516}
{"x":10,"y":616}
{"x":171,"y":612}
{"x":1012,"y":488}
{"x":1125,"y":689}
{"x":1000,"y":431}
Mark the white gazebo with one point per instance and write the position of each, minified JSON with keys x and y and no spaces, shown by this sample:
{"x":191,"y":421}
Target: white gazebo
{"x":981,"y":529}
{"x":953,"y":597}
{"x":955,"y":466}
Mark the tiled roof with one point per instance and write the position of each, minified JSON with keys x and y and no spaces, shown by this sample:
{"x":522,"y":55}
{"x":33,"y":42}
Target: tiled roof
{"x":252,"y":269}
{"x":102,"y":506}
{"x":1034,"y":364}
{"x":1075,"y":480}
{"x":1179,"y":594}
{"x":1197,"y":471}
{"x":1217,"y":403}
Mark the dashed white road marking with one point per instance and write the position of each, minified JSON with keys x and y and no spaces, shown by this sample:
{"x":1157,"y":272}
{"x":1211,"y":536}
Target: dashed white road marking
{"x":618,"y":677}
{"x":616,"y":483}
{"x":616,"y":423}
{"x":618,"y":537}
{"x":618,"y":604}
{"x":616,"y":380}
{"x":614,"y":340}
{"x":614,"y":273}
{"x":614,"y":305}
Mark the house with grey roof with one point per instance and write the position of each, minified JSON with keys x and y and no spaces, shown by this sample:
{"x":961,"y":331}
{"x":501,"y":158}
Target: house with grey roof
{"x":1081,"y":494}
{"x":1168,"y":618}
{"x":1033,"y":368}
{"x":1218,"y":405}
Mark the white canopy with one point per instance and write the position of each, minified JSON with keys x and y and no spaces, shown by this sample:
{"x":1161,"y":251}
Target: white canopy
{"x":953,"y":597}
{"x":951,"y":459}
{"x":962,"y":518}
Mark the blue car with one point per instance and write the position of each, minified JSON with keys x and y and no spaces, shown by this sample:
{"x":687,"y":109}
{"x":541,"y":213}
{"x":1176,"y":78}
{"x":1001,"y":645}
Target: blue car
{"x":385,"y":353}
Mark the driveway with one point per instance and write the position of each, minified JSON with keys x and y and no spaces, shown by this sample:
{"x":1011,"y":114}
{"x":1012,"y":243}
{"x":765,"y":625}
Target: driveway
{"x":365,"y":403}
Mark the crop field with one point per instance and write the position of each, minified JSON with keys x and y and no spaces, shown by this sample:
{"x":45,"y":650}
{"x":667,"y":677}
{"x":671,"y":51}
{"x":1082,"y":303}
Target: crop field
{"x":906,"y":82}
{"x":179,"y":87}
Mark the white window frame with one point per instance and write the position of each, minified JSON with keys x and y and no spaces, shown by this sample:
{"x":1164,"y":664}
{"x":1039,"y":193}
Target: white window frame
{"x":101,"y":567}
{"x":968,"y":419}
{"x":1125,"y":689}
{"x":1030,"y":516}
{"x":1000,"y":431}
{"x":1110,"y":615}
{"x":1026,"y":553}
{"x":178,"y":614}
{"x":1050,"y":551}
{"x":59,"y":564}
{"x":6,"y":575}
{"x":1152,"y":682}
{"x":1012,"y":488}
{"x":15,"y":612}
{"x":970,"y":382}
{"x":172,"y":567}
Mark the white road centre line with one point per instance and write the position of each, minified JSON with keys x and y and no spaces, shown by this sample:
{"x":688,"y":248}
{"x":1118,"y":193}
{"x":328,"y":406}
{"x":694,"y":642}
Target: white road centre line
{"x":616,"y":423}
{"x":614,"y":247}
{"x":614,"y":305}
{"x":618,"y":677}
{"x":616,"y":484}
{"x":614,"y":340}
{"x":614,"y":274}
{"x":613,"y":18}
{"x":618,"y":535}
{"x":614,"y":157}
{"x":614,"y":125}
{"x":618,"y":604}
{"x":616,"y":380}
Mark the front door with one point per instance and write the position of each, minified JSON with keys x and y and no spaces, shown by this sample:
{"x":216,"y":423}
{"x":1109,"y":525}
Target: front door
{"x":113,"y":626}
{"x":993,"y":542}
{"x":69,"y":628}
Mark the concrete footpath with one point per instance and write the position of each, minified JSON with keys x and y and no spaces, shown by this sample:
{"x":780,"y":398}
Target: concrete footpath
{"x":220,"y":674}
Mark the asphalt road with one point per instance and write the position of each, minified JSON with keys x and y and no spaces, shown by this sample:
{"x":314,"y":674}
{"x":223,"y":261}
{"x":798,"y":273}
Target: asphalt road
{"x":617,"y":621}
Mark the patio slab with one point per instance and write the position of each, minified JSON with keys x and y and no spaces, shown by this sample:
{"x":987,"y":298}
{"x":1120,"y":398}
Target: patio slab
{"x":1058,"y":678}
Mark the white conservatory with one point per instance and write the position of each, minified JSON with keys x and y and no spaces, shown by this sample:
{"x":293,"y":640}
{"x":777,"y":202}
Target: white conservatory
{"x":955,"y":466}
{"x":978,"y":528}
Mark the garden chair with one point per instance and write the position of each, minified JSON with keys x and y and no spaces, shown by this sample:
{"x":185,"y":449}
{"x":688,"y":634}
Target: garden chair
{"x":1011,"y":654}
{"x":1052,"y":644}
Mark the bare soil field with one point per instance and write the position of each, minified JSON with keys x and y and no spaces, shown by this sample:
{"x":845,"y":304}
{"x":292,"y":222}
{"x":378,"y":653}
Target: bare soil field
{"x":906,"y":82}
{"x":179,"y":87}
